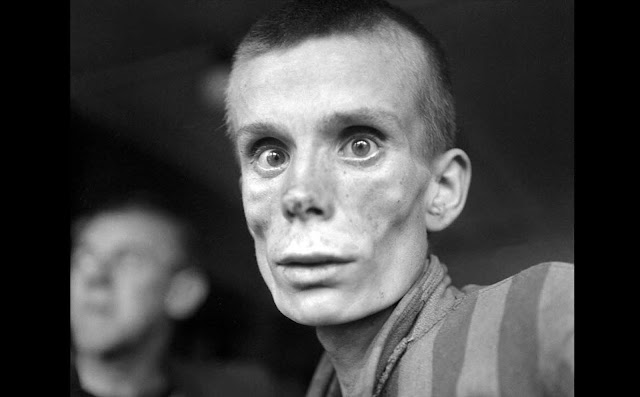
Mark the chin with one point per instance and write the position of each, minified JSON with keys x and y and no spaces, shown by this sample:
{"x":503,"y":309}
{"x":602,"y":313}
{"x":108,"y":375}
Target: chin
{"x":315,"y":319}
{"x":319,"y":309}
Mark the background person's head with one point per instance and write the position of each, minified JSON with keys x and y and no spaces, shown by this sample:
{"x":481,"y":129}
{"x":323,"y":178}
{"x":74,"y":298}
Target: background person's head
{"x":134,"y":271}
{"x":343,"y":123}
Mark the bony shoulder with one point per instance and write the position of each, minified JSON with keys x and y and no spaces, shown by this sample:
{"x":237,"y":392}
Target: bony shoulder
{"x":555,"y":276}
{"x":563,"y":270}
{"x":552,"y":275}
{"x":544,"y":270}
{"x":563,"y":267}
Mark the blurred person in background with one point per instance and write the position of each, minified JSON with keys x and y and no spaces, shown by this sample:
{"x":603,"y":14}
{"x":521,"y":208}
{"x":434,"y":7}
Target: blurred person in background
{"x":135,"y":273}
{"x":343,"y":121}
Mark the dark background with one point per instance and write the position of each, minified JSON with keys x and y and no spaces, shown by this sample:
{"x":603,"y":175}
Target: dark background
{"x":145,"y":110}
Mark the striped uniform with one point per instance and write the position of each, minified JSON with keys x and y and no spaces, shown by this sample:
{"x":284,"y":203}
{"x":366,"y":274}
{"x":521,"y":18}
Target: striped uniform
{"x":513,"y":338}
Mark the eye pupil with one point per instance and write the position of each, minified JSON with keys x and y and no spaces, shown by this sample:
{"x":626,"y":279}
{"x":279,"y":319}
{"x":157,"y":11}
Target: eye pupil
{"x":360,"y":147}
{"x":274,"y":158}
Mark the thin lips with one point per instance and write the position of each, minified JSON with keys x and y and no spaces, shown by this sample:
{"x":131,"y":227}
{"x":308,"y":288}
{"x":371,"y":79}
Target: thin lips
{"x":312,"y":260}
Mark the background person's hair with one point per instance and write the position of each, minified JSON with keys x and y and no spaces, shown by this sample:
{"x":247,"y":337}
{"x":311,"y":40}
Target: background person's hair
{"x":191,"y":243}
{"x":300,"y":20}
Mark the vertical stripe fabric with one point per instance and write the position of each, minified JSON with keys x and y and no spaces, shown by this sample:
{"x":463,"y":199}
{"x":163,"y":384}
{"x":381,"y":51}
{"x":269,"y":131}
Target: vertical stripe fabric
{"x":518,"y":350}
{"x":449,"y":348}
{"x":479,"y":374}
{"x":406,"y":383}
{"x":555,"y":331}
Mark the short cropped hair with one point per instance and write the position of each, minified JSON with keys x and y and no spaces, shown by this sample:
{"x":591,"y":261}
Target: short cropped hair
{"x":191,"y":244}
{"x":300,"y":20}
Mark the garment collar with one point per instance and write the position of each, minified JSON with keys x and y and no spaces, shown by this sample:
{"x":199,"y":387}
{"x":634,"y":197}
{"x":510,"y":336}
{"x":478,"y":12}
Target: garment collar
{"x":422,"y":306}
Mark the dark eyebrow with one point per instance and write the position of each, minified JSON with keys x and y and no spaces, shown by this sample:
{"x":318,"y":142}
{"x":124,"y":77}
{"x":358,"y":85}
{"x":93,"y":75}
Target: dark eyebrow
{"x":259,"y":129}
{"x":363,"y":116}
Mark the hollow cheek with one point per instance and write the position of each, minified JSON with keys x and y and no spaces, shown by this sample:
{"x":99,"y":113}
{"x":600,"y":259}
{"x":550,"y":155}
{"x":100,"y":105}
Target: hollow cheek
{"x":258,"y":208}
{"x":384,"y":204}
{"x":264,"y":268}
{"x":398,"y":239}
{"x":257,"y":204}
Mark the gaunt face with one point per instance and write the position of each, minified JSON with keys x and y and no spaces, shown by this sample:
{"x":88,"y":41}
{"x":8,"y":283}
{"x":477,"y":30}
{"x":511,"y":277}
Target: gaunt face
{"x":333,"y":176}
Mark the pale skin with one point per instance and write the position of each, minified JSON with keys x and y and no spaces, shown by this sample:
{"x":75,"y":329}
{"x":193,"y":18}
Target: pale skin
{"x":126,"y":290}
{"x":336,"y":190}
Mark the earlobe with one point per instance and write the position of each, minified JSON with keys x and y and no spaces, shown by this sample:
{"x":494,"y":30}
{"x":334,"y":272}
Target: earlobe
{"x":187,"y":292}
{"x":448,"y":188}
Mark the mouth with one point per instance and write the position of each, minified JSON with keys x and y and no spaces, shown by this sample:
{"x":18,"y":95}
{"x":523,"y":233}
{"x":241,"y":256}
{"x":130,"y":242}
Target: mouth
{"x":308,"y":271}
{"x":312,"y":260}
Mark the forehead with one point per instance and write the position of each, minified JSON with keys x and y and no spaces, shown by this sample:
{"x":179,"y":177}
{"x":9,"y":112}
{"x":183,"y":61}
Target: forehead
{"x":129,"y":228}
{"x":326,"y":75}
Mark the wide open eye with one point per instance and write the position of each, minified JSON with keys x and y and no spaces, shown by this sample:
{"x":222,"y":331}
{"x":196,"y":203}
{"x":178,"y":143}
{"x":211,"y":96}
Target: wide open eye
{"x":270,"y":158}
{"x":360,"y":147}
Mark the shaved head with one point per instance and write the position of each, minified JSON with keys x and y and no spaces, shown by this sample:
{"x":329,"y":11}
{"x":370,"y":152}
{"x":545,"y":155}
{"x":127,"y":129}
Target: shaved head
{"x":419,"y":55}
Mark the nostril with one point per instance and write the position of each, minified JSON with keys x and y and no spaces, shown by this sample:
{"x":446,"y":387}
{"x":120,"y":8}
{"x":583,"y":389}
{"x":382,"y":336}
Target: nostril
{"x":297,"y":204}
{"x":315,"y":211}
{"x":292,"y":207}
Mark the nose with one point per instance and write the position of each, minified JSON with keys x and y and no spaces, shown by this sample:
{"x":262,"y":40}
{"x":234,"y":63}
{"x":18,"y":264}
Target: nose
{"x":303,"y":204}
{"x":308,"y":193}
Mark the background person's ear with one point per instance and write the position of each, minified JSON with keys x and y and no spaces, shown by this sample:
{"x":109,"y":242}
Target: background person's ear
{"x":448,"y":188}
{"x":188,"y":290}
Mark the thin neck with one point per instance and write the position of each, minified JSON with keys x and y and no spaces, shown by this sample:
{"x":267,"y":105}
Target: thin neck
{"x":349,"y":346}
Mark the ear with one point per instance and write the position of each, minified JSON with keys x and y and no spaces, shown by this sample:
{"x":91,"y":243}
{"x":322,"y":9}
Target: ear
{"x":448,"y":188}
{"x":187,"y":291}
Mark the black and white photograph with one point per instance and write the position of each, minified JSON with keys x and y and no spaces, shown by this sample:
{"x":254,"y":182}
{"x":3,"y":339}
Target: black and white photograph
{"x":321,"y":198}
